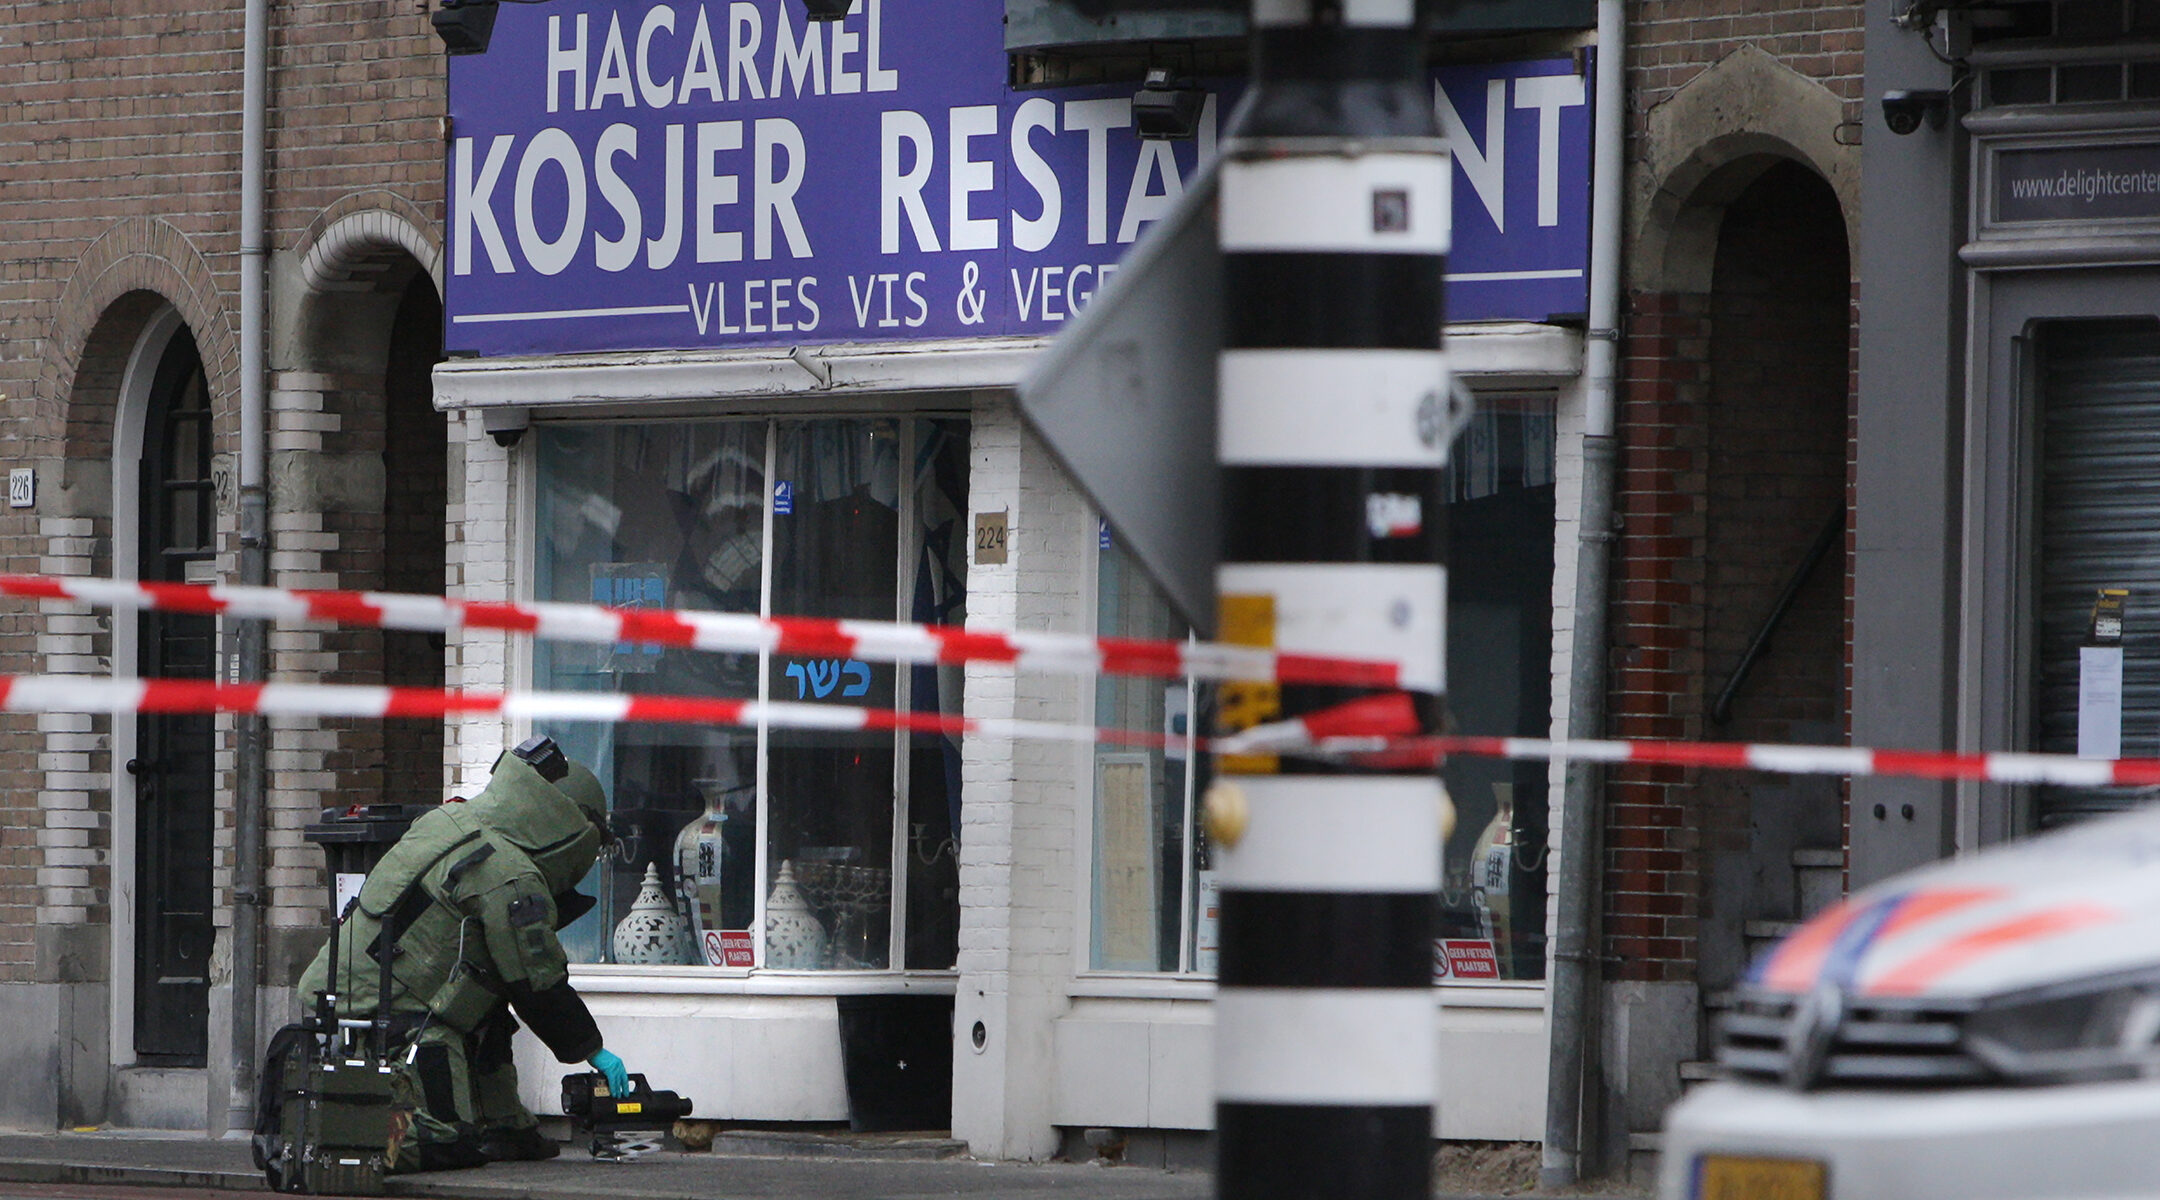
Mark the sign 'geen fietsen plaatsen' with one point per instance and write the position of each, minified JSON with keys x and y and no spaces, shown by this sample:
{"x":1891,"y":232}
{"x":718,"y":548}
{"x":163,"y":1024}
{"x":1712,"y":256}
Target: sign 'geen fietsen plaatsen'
{"x":702,"y":175}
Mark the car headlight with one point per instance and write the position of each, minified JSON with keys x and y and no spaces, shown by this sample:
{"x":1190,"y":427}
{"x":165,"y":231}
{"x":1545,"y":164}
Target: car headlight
{"x":2094,"y":1030}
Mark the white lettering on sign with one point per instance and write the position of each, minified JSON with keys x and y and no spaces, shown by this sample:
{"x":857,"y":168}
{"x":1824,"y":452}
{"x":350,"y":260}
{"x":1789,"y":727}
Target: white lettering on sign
{"x":1055,"y":293}
{"x":756,"y":306}
{"x":908,"y":160}
{"x":874,"y":294}
{"x":602,"y":199}
{"x":1485,"y":166}
{"x":708,"y":163}
{"x":551,"y":159}
{"x":1032,"y":234}
{"x":659,"y":69}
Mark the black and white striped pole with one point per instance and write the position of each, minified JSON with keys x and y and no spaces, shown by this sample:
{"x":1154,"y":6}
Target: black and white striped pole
{"x":1335,"y":414}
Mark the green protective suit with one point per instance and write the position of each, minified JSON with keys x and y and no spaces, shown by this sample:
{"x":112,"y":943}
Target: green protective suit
{"x":469,"y":899}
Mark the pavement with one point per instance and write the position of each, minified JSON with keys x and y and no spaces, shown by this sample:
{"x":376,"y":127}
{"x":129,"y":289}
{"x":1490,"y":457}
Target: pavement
{"x":745,"y":1165}
{"x":842,"y":1167}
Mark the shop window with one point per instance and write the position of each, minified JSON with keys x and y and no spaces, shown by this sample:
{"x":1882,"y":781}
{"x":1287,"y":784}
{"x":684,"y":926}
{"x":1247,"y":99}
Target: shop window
{"x":2020,"y":85}
{"x":1499,"y":661}
{"x":771,"y":847}
{"x":1152,"y":894}
{"x":2089,"y":83}
{"x":1153,"y":906}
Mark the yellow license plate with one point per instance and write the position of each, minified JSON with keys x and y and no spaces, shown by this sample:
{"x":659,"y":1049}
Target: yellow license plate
{"x":1725,"y":1177}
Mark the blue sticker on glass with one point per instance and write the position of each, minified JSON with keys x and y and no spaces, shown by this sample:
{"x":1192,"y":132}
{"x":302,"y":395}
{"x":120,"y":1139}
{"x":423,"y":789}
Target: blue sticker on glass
{"x":783,"y":498}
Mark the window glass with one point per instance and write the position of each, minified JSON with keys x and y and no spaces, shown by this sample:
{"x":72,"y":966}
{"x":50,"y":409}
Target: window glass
{"x":934,"y":580}
{"x":1152,"y":895}
{"x":836,"y":553}
{"x":2089,"y":83}
{"x":2020,"y":85}
{"x":1499,"y":665}
{"x":1143,"y":797}
{"x":658,"y":516}
{"x":812,"y":518}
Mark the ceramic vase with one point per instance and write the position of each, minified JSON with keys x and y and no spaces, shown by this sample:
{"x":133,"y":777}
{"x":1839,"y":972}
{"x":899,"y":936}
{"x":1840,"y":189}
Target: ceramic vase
{"x":652,"y":934}
{"x":794,"y":938}
{"x":697,"y":878}
{"x":1490,"y":862}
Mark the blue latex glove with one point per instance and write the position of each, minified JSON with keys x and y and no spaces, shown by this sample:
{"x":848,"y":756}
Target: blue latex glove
{"x":618,"y":1076}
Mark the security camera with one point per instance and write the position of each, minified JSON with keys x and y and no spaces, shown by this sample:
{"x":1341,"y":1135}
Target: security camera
{"x":1903,"y":111}
{"x":465,"y":25}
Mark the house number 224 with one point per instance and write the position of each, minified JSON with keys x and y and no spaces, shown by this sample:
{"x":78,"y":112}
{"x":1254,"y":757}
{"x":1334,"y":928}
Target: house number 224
{"x":990,"y":538}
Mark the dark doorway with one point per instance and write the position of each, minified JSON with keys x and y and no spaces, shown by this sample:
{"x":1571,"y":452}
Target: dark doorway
{"x":1774,"y":572}
{"x":173,"y":763}
{"x":415,"y":466}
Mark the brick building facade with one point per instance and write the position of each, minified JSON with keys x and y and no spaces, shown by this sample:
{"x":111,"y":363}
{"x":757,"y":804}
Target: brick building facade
{"x":117,"y":233}
{"x":119,"y":241}
{"x":1736,"y":434}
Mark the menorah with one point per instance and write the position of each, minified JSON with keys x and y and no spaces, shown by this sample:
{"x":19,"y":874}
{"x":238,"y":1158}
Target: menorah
{"x":851,"y":893}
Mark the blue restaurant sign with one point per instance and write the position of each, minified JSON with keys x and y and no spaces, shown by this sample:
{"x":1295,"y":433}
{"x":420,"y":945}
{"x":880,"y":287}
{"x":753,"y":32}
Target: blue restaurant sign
{"x":684,"y":175}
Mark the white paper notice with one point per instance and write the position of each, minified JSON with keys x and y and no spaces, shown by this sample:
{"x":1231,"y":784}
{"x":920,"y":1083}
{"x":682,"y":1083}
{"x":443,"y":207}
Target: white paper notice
{"x":2100,"y":702}
{"x":348,"y":888}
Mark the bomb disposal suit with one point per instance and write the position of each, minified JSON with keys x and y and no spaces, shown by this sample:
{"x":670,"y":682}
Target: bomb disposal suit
{"x":467,"y":905}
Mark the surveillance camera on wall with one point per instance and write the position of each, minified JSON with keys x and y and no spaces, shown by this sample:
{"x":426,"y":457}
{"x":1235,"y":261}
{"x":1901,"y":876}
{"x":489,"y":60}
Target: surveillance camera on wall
{"x":465,"y":25}
{"x":1903,"y":111}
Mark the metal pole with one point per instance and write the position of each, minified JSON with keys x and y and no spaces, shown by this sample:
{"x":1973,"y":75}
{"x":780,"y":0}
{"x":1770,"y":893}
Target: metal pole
{"x":1335,"y":417}
{"x":1574,"y":962}
{"x":250,"y":765}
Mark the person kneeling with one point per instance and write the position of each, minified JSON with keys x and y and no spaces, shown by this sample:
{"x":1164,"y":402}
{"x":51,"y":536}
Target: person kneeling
{"x":467,"y":906}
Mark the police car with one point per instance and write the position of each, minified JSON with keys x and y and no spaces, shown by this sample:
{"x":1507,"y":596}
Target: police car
{"x":1983,"y":1027}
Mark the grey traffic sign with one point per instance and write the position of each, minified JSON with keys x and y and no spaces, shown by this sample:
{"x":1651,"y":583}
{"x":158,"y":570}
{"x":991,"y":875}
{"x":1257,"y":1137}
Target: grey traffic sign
{"x":1126,"y":400}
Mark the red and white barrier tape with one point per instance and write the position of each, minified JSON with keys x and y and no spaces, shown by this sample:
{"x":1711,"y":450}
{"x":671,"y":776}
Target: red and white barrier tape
{"x":2061,"y":769}
{"x":1371,"y":731}
{"x":872,"y":641}
{"x":1388,"y":715}
{"x":74,"y":693}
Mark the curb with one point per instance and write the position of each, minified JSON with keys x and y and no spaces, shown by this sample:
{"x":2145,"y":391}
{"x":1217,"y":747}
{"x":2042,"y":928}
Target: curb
{"x":751,"y":1143}
{"x":33,"y":1170}
{"x":46,"y":1171}
{"x":453,"y":1186}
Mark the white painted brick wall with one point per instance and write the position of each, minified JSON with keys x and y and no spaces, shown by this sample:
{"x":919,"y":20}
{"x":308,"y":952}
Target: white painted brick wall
{"x":298,"y":749}
{"x":75,"y":824}
{"x":1017,"y":861}
{"x":478,"y":566}
{"x":1567,"y":543}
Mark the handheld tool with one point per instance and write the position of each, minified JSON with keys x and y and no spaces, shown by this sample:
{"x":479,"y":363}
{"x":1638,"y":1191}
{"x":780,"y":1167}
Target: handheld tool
{"x":621,"y":1128}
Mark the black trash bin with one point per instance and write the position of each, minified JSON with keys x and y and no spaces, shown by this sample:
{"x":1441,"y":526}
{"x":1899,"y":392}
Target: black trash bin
{"x":354,"y":839}
{"x":896,"y":1052}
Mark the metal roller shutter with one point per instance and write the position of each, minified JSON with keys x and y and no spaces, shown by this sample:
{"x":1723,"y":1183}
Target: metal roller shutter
{"x":2099,"y":527}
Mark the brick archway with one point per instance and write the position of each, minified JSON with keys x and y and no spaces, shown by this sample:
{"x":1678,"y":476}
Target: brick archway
{"x":358,"y":478}
{"x":131,"y":270}
{"x":1735,"y":429}
{"x":140,"y":274}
